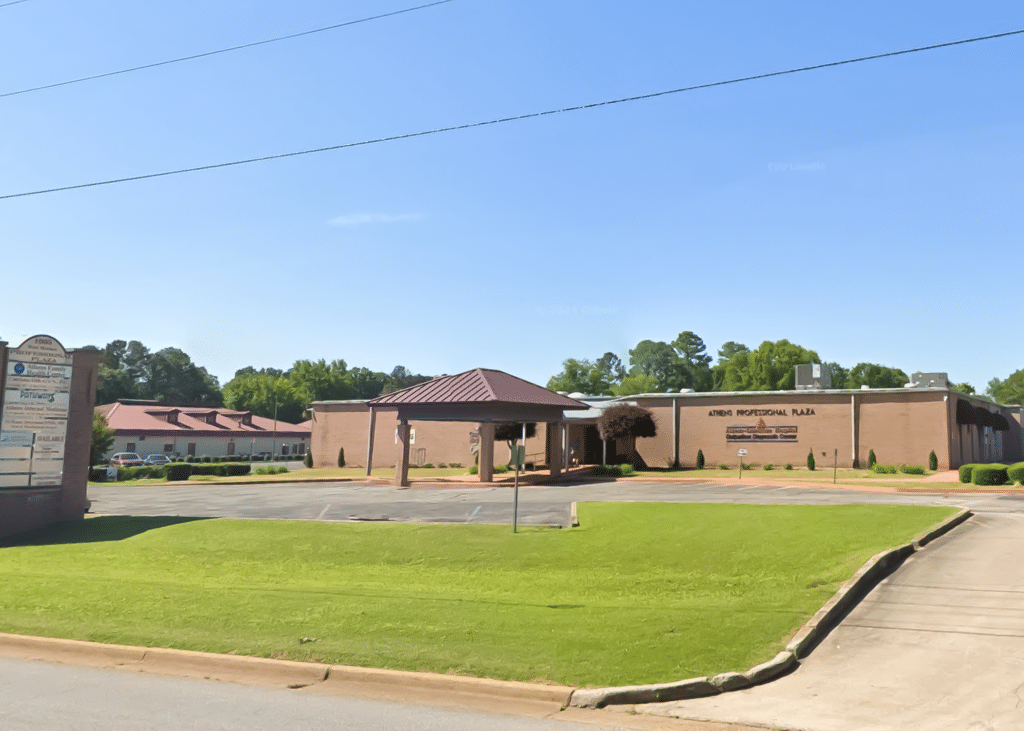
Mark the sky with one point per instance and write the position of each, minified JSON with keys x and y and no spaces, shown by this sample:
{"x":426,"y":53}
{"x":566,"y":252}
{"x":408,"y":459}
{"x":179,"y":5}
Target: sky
{"x":870,"y":212}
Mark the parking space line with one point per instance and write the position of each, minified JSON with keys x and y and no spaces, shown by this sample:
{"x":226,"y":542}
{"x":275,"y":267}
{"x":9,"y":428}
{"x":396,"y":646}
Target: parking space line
{"x":324,"y":512}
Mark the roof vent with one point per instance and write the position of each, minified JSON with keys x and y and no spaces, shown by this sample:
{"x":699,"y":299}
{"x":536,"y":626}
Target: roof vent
{"x":813,"y":377}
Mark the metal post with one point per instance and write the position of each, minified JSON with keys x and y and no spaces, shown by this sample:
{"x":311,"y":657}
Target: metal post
{"x":835,"y":465}
{"x":369,"y":441}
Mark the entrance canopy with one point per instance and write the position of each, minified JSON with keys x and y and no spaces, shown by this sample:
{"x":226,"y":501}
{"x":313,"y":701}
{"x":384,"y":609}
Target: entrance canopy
{"x":480,"y":395}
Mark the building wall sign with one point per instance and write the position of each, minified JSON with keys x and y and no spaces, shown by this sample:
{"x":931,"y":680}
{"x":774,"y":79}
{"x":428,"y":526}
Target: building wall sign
{"x":761,"y":432}
{"x":34,"y":419}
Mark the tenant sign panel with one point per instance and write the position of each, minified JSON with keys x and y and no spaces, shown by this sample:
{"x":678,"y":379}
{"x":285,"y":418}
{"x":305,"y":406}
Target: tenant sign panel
{"x":34,"y":419}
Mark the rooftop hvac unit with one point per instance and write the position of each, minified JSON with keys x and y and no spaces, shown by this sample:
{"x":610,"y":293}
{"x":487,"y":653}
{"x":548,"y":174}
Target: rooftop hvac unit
{"x":813,"y":377}
{"x":929,"y":380}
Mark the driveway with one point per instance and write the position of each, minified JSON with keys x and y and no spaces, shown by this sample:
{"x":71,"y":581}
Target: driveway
{"x":937,"y":646}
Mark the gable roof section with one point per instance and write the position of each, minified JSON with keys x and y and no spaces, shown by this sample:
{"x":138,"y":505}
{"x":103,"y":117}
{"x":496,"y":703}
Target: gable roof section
{"x":478,"y":386}
{"x":165,"y":419}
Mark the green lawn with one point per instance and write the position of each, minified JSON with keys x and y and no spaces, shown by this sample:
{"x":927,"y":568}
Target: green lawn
{"x":639,"y":593}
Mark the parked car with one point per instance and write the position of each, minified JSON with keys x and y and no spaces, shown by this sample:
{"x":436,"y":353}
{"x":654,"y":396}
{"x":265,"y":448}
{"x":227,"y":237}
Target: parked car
{"x":126,"y":459}
{"x":157,"y":459}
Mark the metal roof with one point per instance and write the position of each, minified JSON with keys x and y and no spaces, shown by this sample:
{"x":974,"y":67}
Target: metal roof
{"x":478,"y":386}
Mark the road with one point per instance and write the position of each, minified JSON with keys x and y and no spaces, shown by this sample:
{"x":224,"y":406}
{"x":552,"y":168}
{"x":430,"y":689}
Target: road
{"x":44,"y":697}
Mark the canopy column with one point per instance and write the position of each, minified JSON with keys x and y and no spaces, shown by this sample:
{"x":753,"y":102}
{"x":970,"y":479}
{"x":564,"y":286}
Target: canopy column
{"x":402,"y":468}
{"x":486,"y":468}
{"x":554,"y":431}
{"x":369,"y":441}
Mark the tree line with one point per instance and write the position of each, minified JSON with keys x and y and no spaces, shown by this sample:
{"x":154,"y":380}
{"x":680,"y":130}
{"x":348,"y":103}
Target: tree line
{"x":660,"y":367}
{"x":129,"y":370}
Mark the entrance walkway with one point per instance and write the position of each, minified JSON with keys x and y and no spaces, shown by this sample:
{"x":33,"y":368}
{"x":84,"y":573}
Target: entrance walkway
{"x":939,"y":645}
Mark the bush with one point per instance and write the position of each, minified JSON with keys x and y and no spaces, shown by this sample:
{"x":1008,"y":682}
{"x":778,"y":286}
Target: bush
{"x":989,"y":474}
{"x":190,"y":458}
{"x":307,"y":459}
{"x":723,"y":466}
{"x":767,"y":466}
{"x":700,"y":459}
{"x":872,"y":460}
{"x":473,"y":469}
{"x":500,"y":469}
{"x":810,"y":460}
{"x":427,"y":466}
{"x":933,"y":461}
{"x":1015,"y":473}
{"x":341,"y":457}
{"x":884,"y":469}
{"x":614,"y":470}
{"x":965,"y":473}
{"x":626,"y":469}
{"x":911,"y":469}
{"x":744,"y":465}
{"x":206,"y":459}
{"x":179,"y":471}
{"x":787,"y":466}
{"x":456,"y":465}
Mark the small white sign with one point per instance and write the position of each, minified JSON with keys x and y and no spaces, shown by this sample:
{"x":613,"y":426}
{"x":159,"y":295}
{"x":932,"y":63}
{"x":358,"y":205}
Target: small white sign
{"x":741,"y":453}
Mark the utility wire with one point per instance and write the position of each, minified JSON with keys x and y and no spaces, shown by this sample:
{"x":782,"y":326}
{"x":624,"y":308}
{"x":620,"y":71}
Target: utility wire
{"x":14,"y":2}
{"x":516,"y":118}
{"x":221,"y":50}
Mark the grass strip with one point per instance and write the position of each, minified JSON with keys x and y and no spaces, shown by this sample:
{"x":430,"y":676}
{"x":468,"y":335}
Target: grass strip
{"x":640,"y":593}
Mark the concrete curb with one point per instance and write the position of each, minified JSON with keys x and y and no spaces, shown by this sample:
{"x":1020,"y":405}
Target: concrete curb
{"x":258,"y":671}
{"x":812,"y":633}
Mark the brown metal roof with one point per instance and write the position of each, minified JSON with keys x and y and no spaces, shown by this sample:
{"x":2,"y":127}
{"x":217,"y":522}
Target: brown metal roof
{"x":478,"y":386}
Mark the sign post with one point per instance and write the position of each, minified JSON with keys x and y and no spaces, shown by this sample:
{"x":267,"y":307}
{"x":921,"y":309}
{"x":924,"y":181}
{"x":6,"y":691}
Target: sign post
{"x":741,"y":453}
{"x":519,"y":458}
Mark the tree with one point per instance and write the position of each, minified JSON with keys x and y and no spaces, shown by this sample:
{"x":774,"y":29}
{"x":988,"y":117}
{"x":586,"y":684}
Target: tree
{"x":581,"y":376}
{"x":1008,"y":391}
{"x":876,"y":376}
{"x":260,"y":391}
{"x":732,"y":372}
{"x":964,"y":388}
{"x":837,"y":374}
{"x":657,"y":359}
{"x":611,"y":368}
{"x":174,"y":378}
{"x":367,"y":384}
{"x":400,"y":378}
{"x":634,"y":384}
{"x":321,"y":381}
{"x":693,"y":366}
{"x":773,"y":365}
{"x":627,"y":423}
{"x":102,"y":439}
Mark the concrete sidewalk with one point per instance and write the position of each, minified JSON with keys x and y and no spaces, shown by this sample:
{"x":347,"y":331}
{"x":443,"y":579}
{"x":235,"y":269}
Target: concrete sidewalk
{"x":939,"y":645}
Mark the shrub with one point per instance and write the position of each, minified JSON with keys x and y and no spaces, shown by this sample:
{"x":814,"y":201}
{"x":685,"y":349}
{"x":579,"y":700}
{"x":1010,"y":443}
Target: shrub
{"x":441,"y":465}
{"x":872,"y":460}
{"x":98,"y":473}
{"x":427,"y":466}
{"x":341,"y":457}
{"x":787,"y":466}
{"x":723,"y":466}
{"x":884,"y":469}
{"x":933,"y":461}
{"x":500,"y":469}
{"x":206,"y":459}
{"x":473,"y":469}
{"x":456,"y":465}
{"x":700,"y":459}
{"x":1015,"y":473}
{"x":614,"y":470}
{"x":190,"y":458}
{"x":626,"y":469}
{"x":965,"y":472}
{"x":179,"y":471}
{"x":744,"y":465}
{"x":307,"y":459}
{"x":911,"y":469}
{"x":810,"y":460}
{"x":986,"y":474}
{"x":767,"y":466}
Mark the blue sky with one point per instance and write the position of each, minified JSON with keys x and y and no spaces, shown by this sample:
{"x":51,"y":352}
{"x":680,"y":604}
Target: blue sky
{"x":870,"y":212}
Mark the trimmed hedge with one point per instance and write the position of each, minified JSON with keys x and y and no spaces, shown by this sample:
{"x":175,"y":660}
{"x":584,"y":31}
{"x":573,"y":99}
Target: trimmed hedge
{"x":98,"y":473}
{"x":987,"y":475}
{"x":911,"y":469}
{"x":1015,"y":473}
{"x":933,"y":461}
{"x":965,"y":473}
{"x":884,"y":469}
{"x":179,"y":471}
{"x":614,"y":470}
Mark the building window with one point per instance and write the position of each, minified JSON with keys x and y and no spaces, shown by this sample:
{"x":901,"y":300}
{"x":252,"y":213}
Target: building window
{"x":192,"y":449}
{"x":129,"y":447}
{"x":231,"y":447}
{"x":284,"y":449}
{"x":302,"y":449}
{"x":168,"y":448}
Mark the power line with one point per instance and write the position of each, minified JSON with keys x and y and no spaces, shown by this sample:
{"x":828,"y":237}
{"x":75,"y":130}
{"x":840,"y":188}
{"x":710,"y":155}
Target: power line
{"x":214,"y":53}
{"x":516,"y":118}
{"x":14,"y":2}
